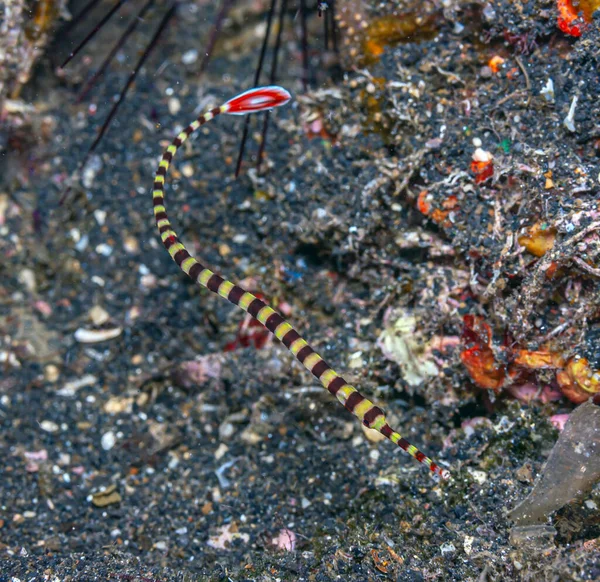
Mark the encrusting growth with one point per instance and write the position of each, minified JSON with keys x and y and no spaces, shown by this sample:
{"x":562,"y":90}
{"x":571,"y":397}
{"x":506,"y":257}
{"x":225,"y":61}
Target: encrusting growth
{"x":372,"y":416}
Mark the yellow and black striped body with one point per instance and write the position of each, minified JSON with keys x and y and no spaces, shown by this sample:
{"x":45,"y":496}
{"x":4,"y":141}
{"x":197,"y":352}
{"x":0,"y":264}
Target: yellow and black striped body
{"x":370,"y":415}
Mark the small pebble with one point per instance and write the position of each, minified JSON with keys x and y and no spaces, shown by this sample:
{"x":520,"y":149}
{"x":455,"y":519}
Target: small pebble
{"x":119,"y":405}
{"x":49,"y":426}
{"x":82,"y":243}
{"x":104,"y":250}
{"x":187,"y":170}
{"x":174,"y":106}
{"x":250,"y":437}
{"x":108,"y":440}
{"x":51,"y":373}
{"x":100,"y":216}
{"x":478,"y":476}
{"x":27,"y":279}
{"x":226,"y":431}
{"x":91,"y":168}
{"x":131,"y":245}
{"x":98,"y":315}
{"x":374,"y":455}
{"x":221,"y":449}
{"x":189,"y":57}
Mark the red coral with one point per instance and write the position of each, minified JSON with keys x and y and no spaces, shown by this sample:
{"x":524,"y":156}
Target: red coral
{"x":567,"y":14}
{"x":478,"y":356}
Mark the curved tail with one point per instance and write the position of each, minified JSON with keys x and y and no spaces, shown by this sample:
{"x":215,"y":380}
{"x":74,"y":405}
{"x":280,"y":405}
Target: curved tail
{"x":370,"y":415}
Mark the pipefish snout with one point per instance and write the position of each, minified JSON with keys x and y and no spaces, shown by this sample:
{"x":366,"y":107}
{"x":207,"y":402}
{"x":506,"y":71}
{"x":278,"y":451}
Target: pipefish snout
{"x":261,"y":99}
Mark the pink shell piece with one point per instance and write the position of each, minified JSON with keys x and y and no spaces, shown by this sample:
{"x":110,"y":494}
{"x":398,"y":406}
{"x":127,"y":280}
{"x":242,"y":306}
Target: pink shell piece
{"x":285,"y":540}
{"x":559,"y":420}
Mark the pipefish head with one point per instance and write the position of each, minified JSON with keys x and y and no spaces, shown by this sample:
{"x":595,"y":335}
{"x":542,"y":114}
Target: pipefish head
{"x":257,"y":99}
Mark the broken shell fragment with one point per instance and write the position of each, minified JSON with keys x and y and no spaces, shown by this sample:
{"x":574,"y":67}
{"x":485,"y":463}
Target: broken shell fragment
{"x":107,"y":496}
{"x":92,"y":336}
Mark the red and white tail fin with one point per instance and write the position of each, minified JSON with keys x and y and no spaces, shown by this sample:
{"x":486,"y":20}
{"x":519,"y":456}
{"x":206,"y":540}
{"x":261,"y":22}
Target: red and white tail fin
{"x":258,"y":99}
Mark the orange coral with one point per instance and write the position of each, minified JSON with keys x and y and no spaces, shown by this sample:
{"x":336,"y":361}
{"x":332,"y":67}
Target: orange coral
{"x":485,"y":364}
{"x":568,"y":14}
{"x":478,"y":357}
{"x":538,"y":240}
{"x":538,"y":360}
{"x":438,"y":215}
{"x":577,"y":381}
{"x":495,"y":62}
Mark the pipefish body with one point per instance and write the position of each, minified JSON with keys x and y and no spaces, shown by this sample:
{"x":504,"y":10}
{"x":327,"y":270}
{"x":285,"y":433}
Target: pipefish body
{"x":261,"y":99}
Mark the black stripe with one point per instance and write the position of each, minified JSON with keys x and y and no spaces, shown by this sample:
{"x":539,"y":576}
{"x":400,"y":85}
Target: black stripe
{"x":336,"y":384}
{"x":162,"y":171}
{"x":304,"y":353}
{"x":215,"y":111}
{"x":320,"y":368}
{"x":159,"y":186}
{"x":353,"y":400}
{"x":235,"y":294}
{"x":170,"y":242}
{"x":289,"y":338}
{"x":181,"y":256}
{"x":255,"y":306}
{"x":403,"y":444}
{"x":177,"y":143}
{"x":371,"y":415}
{"x":273,"y":321}
{"x":195,"y":271}
{"x":214,"y":282}
{"x":201,"y":120}
{"x":386,"y":430}
{"x":164,"y":228}
{"x":160,"y":216}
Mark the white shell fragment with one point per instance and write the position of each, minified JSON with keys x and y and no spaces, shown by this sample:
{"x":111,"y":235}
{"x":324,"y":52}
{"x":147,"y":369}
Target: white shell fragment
{"x":480,"y":155}
{"x":569,"y":121}
{"x":548,"y":91}
{"x":92,"y":336}
{"x":71,"y":388}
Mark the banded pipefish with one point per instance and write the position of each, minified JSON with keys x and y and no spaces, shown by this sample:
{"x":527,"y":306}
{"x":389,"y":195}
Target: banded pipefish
{"x":261,"y":99}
